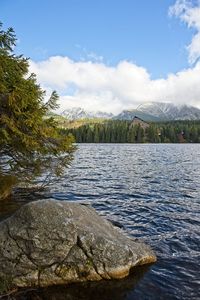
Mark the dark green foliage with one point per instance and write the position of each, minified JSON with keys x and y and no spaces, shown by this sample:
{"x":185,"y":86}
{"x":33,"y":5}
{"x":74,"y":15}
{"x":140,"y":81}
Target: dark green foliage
{"x":124,"y":132}
{"x":30,"y":143}
{"x":6,"y":286}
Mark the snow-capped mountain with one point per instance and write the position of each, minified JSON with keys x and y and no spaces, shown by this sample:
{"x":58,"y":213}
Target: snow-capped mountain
{"x":149,"y":112}
{"x":76,"y":113}
{"x":170,"y":111}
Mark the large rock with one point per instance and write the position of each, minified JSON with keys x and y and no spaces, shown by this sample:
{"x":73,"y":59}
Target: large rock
{"x":54,"y":242}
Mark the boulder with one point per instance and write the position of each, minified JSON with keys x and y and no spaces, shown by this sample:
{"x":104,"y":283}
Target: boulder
{"x":50,"y":242}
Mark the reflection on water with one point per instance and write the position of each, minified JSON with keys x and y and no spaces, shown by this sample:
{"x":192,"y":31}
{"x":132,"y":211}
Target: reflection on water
{"x":19,"y":198}
{"x":102,"y":290}
{"x":7,"y":207}
{"x":153,"y":191}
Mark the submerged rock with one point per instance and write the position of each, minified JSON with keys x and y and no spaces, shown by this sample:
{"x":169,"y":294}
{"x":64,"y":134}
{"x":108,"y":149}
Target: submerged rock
{"x":7,"y":183}
{"x":52,"y":242}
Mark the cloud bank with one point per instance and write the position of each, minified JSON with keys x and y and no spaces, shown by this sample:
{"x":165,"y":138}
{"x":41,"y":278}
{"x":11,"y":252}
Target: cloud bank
{"x":189,"y":13}
{"x":94,"y":85}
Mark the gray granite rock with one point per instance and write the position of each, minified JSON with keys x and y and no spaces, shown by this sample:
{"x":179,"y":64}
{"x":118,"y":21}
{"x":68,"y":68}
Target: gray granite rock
{"x":55,"y":242}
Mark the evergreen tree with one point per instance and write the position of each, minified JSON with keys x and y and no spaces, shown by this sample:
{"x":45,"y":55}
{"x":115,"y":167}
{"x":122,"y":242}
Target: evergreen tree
{"x":118,"y":131}
{"x":96,"y":134}
{"x":131,"y":134}
{"x":139,"y":134}
{"x":30,"y":143}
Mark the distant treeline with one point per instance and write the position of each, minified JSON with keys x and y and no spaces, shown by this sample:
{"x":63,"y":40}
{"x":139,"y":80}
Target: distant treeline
{"x":127,"y":132}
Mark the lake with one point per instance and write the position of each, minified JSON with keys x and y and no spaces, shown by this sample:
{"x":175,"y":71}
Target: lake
{"x":153,"y":191}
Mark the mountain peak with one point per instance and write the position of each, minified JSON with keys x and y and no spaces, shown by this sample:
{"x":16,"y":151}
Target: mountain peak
{"x":76,"y":113}
{"x":149,"y":112}
{"x":170,"y":111}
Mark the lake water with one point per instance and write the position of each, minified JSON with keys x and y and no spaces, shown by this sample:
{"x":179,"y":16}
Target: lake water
{"x":153,"y":190}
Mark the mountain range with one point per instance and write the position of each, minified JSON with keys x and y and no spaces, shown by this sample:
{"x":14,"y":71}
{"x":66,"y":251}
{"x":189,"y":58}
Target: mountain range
{"x":77,"y":113}
{"x":170,"y":111}
{"x":149,"y":112}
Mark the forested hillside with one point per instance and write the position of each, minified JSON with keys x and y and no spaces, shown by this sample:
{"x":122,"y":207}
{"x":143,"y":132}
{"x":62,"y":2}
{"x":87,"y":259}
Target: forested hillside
{"x":125,"y":132}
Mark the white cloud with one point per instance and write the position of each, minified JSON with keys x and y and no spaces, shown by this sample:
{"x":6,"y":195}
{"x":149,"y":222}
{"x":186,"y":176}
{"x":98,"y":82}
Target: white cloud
{"x":189,"y":12}
{"x":93,"y":85}
{"x":96,"y":86}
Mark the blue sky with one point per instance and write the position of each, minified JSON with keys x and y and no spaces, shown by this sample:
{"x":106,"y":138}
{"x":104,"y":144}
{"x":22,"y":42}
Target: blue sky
{"x":107,"y":32}
{"x":139,"y":31}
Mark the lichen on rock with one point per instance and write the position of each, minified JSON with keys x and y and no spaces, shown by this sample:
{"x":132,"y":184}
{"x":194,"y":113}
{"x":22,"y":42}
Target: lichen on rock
{"x":50,"y":242}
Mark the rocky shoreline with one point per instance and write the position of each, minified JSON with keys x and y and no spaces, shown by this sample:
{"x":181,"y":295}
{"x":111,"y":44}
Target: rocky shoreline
{"x":50,"y":242}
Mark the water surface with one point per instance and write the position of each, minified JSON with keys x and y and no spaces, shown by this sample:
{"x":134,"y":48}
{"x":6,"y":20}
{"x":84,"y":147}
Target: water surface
{"x":154,"y":192}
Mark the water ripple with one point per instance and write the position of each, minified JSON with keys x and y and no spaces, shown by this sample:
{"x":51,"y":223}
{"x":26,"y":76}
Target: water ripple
{"x":153,"y":191}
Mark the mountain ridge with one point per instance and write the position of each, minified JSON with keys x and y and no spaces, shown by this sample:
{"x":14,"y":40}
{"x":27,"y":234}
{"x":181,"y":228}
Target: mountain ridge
{"x":76,"y":113}
{"x":149,"y":112}
{"x":130,"y":114}
{"x":169,"y":111}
